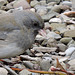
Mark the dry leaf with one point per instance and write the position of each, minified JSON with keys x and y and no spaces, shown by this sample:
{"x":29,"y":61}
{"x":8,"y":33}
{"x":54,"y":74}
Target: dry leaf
{"x":70,"y":14}
{"x":59,"y":65}
{"x":46,"y":72}
{"x":28,"y":1}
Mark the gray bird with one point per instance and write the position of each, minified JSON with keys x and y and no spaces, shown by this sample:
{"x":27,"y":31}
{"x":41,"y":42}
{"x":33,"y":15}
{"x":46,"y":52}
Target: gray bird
{"x":17,"y":32}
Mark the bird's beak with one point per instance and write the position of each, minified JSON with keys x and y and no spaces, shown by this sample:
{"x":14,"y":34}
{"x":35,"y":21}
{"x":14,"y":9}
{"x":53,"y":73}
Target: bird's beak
{"x":42,"y":32}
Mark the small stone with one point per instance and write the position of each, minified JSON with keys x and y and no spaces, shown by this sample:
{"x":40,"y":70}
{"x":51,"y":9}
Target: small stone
{"x":71,"y":43}
{"x":25,"y":72}
{"x":68,"y":3}
{"x":53,"y":35}
{"x":71,"y":27}
{"x":71,"y":62}
{"x":47,"y":58}
{"x":72,"y":56}
{"x":11,"y":72}
{"x":63,"y":59}
{"x":34,"y":2}
{"x":62,"y":53}
{"x":39,"y":37}
{"x":72,"y":67}
{"x":2,"y":11}
{"x":3,"y":71}
{"x":71,"y":71}
{"x":51,"y":3}
{"x":19,"y":66}
{"x":47,"y":25}
{"x":21,"y":3}
{"x":55,"y":56}
{"x":32,"y":9}
{"x":64,"y":18}
{"x":35,"y":73}
{"x":57,"y":8}
{"x":65,"y":40}
{"x":48,"y":16}
{"x":28,"y":52}
{"x":46,"y":55}
{"x":28,"y":64}
{"x":45,"y":64}
{"x":70,"y":33}
{"x":51,"y":42}
{"x":48,"y":1}
{"x":39,"y":7}
{"x":62,"y":47}
{"x":69,"y":51}
{"x":36,"y":66}
{"x":39,"y":54}
{"x":10,"y":5}
{"x":42,"y":11}
{"x":26,"y":57}
{"x":43,"y":2}
{"x":49,"y":8}
{"x":58,"y":26}
{"x":2,"y":2}
{"x":45,"y":49}
{"x":55,"y":20}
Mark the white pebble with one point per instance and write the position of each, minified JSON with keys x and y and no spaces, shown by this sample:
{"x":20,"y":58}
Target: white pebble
{"x":69,"y":51}
{"x":55,"y":20}
{"x":3,"y":71}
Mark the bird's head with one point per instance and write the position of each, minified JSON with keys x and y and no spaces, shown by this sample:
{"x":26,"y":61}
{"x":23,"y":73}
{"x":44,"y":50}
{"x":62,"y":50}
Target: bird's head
{"x":34,"y":23}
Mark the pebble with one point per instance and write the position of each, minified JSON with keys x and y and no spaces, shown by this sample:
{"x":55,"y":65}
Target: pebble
{"x":45,"y":49}
{"x":10,"y":5}
{"x":72,"y":56}
{"x":39,"y":37}
{"x":3,"y":71}
{"x":29,"y":58}
{"x":21,"y":3}
{"x":65,"y":40}
{"x":2,"y":2}
{"x":42,"y":11}
{"x":32,"y":9}
{"x":57,"y":8}
{"x":48,"y":16}
{"x":62,"y":47}
{"x":69,"y":51}
{"x":72,"y":67}
{"x":20,"y":66}
{"x":12,"y":72}
{"x":28,"y":64}
{"x":71,"y":43}
{"x":45,"y":64}
{"x":25,"y":72}
{"x":56,"y":20}
{"x":51,"y":42}
{"x":71,"y":27}
{"x":58,"y":26}
{"x":48,"y":1}
{"x":71,"y":62}
{"x":53,"y":35}
{"x":67,"y":3}
{"x":34,"y":3}
{"x":70,"y":33}
{"x":43,"y":2}
{"x":39,"y":54}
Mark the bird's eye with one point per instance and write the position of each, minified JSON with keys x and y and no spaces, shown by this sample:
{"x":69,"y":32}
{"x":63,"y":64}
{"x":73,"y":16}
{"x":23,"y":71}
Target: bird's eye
{"x":35,"y":24}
